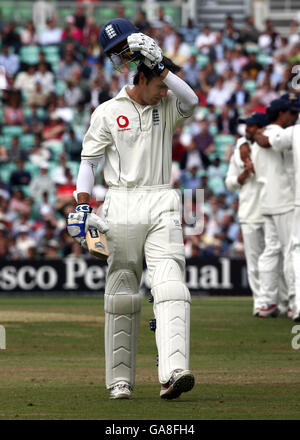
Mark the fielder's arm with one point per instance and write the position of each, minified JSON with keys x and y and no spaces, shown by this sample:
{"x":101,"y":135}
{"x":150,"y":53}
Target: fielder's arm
{"x":262,"y":140}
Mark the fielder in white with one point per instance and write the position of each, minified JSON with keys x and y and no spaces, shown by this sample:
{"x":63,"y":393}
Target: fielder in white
{"x":280,"y":142}
{"x":241,"y":176}
{"x":133,"y":131}
{"x":277,"y":206}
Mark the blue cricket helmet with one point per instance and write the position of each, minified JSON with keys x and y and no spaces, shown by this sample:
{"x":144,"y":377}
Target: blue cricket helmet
{"x":114,"y":32}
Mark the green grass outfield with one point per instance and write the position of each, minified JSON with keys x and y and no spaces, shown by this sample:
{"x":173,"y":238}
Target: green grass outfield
{"x":53,"y":367}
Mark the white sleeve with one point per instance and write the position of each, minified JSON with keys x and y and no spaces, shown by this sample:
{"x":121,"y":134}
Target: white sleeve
{"x":98,"y":136}
{"x":186,"y":96}
{"x":86,"y":175}
{"x":231,"y":181}
{"x":281,"y":140}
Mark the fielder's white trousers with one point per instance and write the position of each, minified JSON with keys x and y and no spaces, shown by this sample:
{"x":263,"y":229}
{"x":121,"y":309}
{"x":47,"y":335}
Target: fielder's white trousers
{"x":295,"y":252}
{"x":276,"y":256}
{"x":145,"y":222}
{"x":254,"y":243}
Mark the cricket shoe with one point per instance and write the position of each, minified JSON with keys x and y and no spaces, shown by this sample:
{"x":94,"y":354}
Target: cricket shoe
{"x":120,"y":391}
{"x":290,"y":313}
{"x":268,"y":311}
{"x":181,"y":381}
{"x":256,"y":311}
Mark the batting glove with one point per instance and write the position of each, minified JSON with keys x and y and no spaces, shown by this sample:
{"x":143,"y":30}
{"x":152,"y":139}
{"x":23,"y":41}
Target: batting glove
{"x":152,"y":53}
{"x":83,"y":219}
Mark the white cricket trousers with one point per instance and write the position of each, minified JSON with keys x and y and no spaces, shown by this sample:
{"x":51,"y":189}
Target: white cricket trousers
{"x":276,"y":255}
{"x":295,"y":251}
{"x":254,"y":243}
{"x":145,"y":222}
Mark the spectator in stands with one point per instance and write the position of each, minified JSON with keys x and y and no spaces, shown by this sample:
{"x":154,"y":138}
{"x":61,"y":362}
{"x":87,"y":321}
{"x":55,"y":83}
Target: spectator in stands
{"x":181,"y":50}
{"x":81,"y":120}
{"x":9,"y":60}
{"x":168,"y":38}
{"x":141,"y":21}
{"x":268,"y":39}
{"x":227,"y":120}
{"x":80,"y":18}
{"x":18,"y":206}
{"x":204,"y":142}
{"x":24,"y":241}
{"x":218,"y":95}
{"x":89,"y":29}
{"x":218,"y":49}
{"x":72,"y":146}
{"x":10,"y":37}
{"x":15,"y":152}
{"x":53,"y":129}
{"x":37,"y":97}
{"x":190,"y":177}
{"x":71,"y":30}
{"x":45,"y":77}
{"x":42,"y":183}
{"x":13,"y":112}
{"x":248,"y":32}
{"x":38,"y":154}
{"x":48,"y":232}
{"x":51,"y":35}
{"x":240,"y":96}
{"x":34,"y":120}
{"x":64,"y":192}
{"x":46,"y":209}
{"x":73,"y":93}
{"x":189,"y":32}
{"x":205,"y":40}
{"x":25,"y":81}
{"x":192,"y":156}
{"x":28,"y":35}
{"x":230,"y":38}
{"x":66,"y":67}
{"x":59,"y":174}
{"x":253,"y":67}
{"x":265,"y":93}
{"x":160,"y":19}
{"x":191,"y":71}
{"x":20,"y":176}
{"x":216,"y":169}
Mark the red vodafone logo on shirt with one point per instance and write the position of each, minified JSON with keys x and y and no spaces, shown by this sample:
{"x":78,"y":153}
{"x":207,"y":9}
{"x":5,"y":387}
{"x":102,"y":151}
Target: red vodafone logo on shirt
{"x":122,"y":121}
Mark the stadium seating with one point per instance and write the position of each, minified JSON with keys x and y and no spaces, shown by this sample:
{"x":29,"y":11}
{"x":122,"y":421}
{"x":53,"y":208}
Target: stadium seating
{"x":29,"y":54}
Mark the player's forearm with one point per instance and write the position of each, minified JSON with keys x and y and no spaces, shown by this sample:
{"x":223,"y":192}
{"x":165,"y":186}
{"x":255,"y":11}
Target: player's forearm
{"x":86,"y":179}
{"x":243,"y":177}
{"x":262,"y":140}
{"x":187,"y":97}
{"x":231,"y":183}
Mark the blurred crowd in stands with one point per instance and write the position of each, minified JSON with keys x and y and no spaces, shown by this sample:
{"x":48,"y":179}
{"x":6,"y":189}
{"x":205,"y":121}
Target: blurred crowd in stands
{"x":53,"y":76}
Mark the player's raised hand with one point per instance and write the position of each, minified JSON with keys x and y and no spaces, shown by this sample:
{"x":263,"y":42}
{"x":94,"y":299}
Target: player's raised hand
{"x":152,"y":53}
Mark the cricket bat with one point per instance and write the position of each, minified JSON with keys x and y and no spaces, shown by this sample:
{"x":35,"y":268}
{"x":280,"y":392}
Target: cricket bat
{"x":97,"y":244}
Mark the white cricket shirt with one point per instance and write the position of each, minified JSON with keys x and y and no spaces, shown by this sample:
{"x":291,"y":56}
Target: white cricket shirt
{"x":249,"y":193}
{"x":277,"y":195}
{"x":282,"y":142}
{"x":135,"y":139}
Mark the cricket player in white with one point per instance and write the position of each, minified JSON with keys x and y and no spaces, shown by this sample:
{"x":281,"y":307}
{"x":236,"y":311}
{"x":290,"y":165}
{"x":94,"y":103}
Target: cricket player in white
{"x":241,"y":176}
{"x":277,"y":206}
{"x":281,"y":142}
{"x":133,"y":131}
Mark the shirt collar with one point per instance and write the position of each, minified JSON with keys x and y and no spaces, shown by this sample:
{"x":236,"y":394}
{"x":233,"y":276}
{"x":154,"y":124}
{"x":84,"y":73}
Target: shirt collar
{"x":123,"y":93}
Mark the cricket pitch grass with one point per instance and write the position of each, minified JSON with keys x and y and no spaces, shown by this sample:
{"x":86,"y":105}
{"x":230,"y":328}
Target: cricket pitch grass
{"x":53,"y":366}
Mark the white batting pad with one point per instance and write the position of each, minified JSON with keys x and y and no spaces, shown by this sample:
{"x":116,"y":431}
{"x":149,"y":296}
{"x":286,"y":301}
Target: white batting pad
{"x":122,"y":305}
{"x":172,"y":311}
